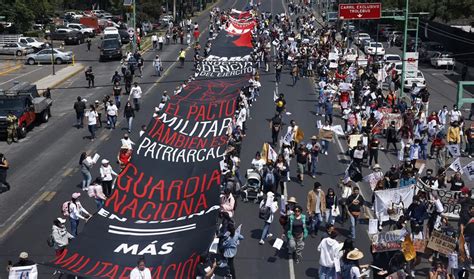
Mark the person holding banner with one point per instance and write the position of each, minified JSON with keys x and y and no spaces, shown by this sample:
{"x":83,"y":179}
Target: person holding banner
{"x":24,"y":268}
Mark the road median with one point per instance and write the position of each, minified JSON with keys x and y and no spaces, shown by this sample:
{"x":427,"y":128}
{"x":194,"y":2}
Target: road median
{"x":61,"y":76}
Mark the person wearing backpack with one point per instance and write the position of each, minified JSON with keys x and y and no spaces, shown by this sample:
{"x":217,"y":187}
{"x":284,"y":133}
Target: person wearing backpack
{"x":59,"y":236}
{"x":75,"y":211}
{"x":297,"y":233}
{"x":268,"y":207}
{"x":269,"y":178}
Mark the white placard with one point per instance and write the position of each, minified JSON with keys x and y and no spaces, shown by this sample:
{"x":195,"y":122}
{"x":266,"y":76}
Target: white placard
{"x":23,"y":272}
{"x":469,"y":170}
{"x":373,"y":226}
{"x":278,"y":243}
{"x":454,"y":150}
{"x":96,"y":158}
{"x":456,"y":166}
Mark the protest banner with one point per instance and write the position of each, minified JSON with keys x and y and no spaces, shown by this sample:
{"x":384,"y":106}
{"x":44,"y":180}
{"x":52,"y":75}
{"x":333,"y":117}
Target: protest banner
{"x":442,"y":243}
{"x":449,"y":199}
{"x":454,"y":150}
{"x":23,"y":272}
{"x":389,"y":117}
{"x":456,"y":166}
{"x":469,"y":170}
{"x":387,"y":241}
{"x":390,"y":202}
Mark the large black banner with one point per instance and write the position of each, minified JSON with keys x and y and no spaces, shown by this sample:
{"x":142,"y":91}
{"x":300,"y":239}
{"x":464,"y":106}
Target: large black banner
{"x":165,"y":203}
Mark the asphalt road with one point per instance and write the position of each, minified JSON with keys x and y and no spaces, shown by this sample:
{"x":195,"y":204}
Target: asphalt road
{"x":45,"y":172}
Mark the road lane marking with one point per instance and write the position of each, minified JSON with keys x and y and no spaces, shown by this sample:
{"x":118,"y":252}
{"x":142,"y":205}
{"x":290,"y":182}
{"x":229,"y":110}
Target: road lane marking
{"x":10,"y":69}
{"x":67,"y":172}
{"x":50,"y":196}
{"x":17,"y":77}
{"x":26,"y":211}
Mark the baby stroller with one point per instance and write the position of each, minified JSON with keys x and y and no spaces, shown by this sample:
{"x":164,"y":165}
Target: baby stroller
{"x":252,"y":188}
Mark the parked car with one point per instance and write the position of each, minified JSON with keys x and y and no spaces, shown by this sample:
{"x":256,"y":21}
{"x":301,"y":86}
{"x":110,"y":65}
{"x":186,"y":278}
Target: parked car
{"x":360,"y":37}
{"x":26,"y":104}
{"x":58,"y":34}
{"x":46,"y":56}
{"x":166,"y":19}
{"x":375,"y":48}
{"x":442,"y":59}
{"x":428,"y":49}
{"x":419,"y":80}
{"x":110,"y":49}
{"x":86,"y":31}
{"x":32,"y":42}
{"x":17,"y":49}
{"x":74,"y":38}
{"x":391,"y":58}
{"x":124,"y":36}
{"x":75,"y":15}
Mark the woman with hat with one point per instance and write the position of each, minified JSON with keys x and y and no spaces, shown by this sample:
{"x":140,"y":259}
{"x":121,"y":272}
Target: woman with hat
{"x":76,"y":212}
{"x":106,"y":174}
{"x":60,"y":236}
{"x":350,"y":267}
{"x":287,"y":209}
{"x":297,"y":233}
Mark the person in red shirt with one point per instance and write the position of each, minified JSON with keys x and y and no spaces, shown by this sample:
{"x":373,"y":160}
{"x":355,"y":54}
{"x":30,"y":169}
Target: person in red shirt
{"x":196,"y":34}
{"x":433,"y":116}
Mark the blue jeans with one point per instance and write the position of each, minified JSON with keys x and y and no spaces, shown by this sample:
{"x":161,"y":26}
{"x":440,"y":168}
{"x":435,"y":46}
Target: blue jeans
{"x":87,"y":178}
{"x":112,"y":119}
{"x":314,"y":164}
{"x":327,"y":272}
{"x":130,"y":121}
{"x":99,"y":203}
{"x":117,"y":101}
{"x":316,"y":220}
{"x":329,"y":218}
{"x":265,"y":231}
{"x":324,"y":146}
{"x":354,"y":221}
{"x":423,"y":151}
{"x":74,"y":225}
{"x":319,"y":108}
{"x":92,"y":130}
{"x":158,"y":70}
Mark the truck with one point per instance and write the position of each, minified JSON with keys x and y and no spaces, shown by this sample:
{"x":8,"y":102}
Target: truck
{"x":18,"y":38}
{"x":24,"y":101}
{"x":91,"y":22}
{"x":8,"y":39}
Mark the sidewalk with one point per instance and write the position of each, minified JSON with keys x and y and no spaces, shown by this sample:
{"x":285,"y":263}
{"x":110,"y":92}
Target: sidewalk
{"x":52,"y":81}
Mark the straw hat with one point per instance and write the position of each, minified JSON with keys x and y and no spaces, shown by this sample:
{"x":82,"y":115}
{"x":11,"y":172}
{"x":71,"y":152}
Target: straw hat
{"x":314,"y":137}
{"x":292,"y":199}
{"x":355,"y":255}
{"x":23,"y":255}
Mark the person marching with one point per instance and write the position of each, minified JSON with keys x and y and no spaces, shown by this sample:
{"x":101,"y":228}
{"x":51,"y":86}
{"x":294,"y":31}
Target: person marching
{"x":4,"y":165}
{"x":181,"y":57}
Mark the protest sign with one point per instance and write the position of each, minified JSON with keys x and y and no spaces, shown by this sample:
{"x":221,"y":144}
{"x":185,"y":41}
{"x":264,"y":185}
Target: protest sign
{"x":326,"y":135}
{"x":387,"y":241}
{"x":420,"y":245}
{"x":353,"y":139}
{"x":454,"y":150}
{"x":389,"y":202}
{"x":442,"y":243}
{"x":469,"y":170}
{"x":456,"y":166}
{"x":338,"y":130}
{"x":23,"y":272}
{"x":449,"y":199}
{"x":373,"y":226}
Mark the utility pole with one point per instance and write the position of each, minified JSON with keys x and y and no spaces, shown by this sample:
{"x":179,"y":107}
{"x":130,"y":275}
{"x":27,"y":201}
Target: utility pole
{"x":174,"y":10}
{"x":134,"y":44}
{"x":52,"y":51}
{"x":404,"y":57}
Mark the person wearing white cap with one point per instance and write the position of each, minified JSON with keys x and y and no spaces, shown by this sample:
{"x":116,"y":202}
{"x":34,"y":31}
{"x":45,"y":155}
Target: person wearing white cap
{"x":24,"y":265}
{"x":140,"y":271}
{"x":76,"y":212}
{"x":59,"y":236}
{"x":106,"y":173}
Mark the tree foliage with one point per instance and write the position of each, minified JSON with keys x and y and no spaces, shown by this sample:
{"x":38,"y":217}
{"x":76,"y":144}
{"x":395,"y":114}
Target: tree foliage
{"x":444,"y":10}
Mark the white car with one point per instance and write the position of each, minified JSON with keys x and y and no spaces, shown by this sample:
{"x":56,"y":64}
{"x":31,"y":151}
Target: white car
{"x":31,"y":42}
{"x":419,"y":80}
{"x":440,"y":59}
{"x":166,"y":19}
{"x":351,"y":55}
{"x":360,"y":37}
{"x":75,"y":15}
{"x":391,"y":58}
{"x":374,"y":48}
{"x":86,"y":31}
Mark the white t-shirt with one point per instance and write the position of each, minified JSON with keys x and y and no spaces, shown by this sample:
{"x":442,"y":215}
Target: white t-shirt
{"x":455,"y":115}
{"x":138,"y":274}
{"x":92,"y":117}
{"x":355,"y":272}
{"x":112,"y":110}
{"x":154,"y":38}
{"x":136,"y":92}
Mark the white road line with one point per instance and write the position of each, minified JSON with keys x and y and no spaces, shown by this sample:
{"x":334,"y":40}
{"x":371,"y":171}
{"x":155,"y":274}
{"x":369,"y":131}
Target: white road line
{"x":17,"y":77}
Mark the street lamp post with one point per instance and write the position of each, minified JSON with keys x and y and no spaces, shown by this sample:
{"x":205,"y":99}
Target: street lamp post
{"x":404,"y":57}
{"x":134,"y":25}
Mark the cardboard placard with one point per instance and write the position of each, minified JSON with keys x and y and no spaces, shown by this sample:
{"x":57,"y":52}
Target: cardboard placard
{"x":353,"y":139}
{"x":326,"y":135}
{"x":387,"y":241}
{"x":442,"y":243}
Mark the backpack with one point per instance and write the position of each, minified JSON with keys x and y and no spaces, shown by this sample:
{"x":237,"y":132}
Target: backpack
{"x":65,"y":208}
{"x":50,"y":240}
{"x":269,"y":178}
{"x":264,"y":212}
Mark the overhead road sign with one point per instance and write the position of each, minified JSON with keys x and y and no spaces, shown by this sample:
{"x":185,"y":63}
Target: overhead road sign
{"x":360,"y":11}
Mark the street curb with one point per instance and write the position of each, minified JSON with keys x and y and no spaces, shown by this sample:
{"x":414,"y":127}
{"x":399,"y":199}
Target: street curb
{"x":80,"y":68}
{"x":11,"y":69}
